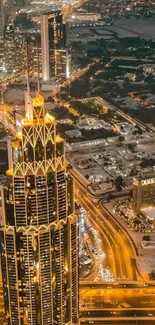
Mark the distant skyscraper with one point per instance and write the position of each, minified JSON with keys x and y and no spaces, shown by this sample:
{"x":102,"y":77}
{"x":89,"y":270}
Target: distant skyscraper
{"x":9,"y":48}
{"x":45,"y":47}
{"x":40,"y":240}
{"x":54,"y":43}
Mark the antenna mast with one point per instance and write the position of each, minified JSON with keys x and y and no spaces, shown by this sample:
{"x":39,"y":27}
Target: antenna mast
{"x":27,"y":66}
{"x":38,"y":73}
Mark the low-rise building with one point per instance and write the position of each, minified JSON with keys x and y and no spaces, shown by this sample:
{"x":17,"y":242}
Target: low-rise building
{"x":73,"y":133}
{"x":149,"y":69}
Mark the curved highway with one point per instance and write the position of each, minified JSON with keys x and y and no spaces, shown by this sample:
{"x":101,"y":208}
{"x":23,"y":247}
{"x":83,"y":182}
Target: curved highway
{"x":122,"y":254}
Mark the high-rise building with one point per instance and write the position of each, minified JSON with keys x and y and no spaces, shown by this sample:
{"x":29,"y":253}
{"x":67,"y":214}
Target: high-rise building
{"x":62,"y":64}
{"x":39,"y":237}
{"x":1,"y":35}
{"x":10,"y":48}
{"x":54,"y":43}
{"x":36,"y":58}
{"x":143,"y":192}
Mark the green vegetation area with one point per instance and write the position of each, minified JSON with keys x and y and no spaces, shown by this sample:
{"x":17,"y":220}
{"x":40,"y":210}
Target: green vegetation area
{"x":139,"y":9}
{"x":106,"y":82}
{"x":77,"y":109}
{"x":78,"y":45}
{"x":111,"y":78}
{"x":91,"y":108}
{"x":127,"y":46}
{"x":62,"y":113}
{"x":102,"y":47}
{"x":20,"y":3}
{"x":85,"y":134}
{"x":86,"y":108}
{"x":82,"y":61}
{"x":61,"y":128}
{"x":97,"y":134}
{"x":22,"y":21}
{"x":146,"y":115}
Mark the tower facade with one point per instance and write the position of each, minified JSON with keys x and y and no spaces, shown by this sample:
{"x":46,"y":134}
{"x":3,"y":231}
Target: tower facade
{"x":45,"y":48}
{"x":39,"y":237}
{"x":10,"y":48}
{"x":54,"y":43}
{"x":143,"y":192}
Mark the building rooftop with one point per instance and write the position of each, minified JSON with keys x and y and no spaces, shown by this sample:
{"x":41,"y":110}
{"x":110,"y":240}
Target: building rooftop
{"x":147,"y":176}
{"x":149,"y":212}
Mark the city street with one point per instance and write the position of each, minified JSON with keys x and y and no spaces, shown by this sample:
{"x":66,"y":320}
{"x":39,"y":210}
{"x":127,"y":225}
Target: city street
{"x":121,"y":255}
{"x":134,"y":320}
{"x":116,"y":297}
{"x":114,"y":302}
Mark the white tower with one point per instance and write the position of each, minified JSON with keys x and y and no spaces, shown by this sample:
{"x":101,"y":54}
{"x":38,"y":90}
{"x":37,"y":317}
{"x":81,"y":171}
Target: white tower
{"x":45,"y":48}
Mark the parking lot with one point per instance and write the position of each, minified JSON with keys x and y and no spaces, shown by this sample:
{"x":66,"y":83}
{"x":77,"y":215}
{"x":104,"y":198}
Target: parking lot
{"x":140,"y":223}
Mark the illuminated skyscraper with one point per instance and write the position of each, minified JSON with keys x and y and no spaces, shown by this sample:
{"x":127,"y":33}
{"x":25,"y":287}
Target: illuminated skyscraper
{"x":45,"y":47}
{"x":10,"y":48}
{"x":62,"y":64}
{"x":54,"y":42}
{"x":40,"y":240}
{"x":143,"y":192}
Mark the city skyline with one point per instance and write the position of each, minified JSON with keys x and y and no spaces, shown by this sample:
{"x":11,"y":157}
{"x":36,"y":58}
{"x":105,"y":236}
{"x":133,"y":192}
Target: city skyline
{"x":77,"y":162}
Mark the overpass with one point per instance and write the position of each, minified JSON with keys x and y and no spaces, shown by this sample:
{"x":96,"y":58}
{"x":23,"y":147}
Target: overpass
{"x":134,"y":320}
{"x":122,"y":283}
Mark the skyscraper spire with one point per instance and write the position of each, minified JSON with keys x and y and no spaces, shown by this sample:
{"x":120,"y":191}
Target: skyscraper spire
{"x":38,"y":69}
{"x":27,"y":67}
{"x":39,"y":237}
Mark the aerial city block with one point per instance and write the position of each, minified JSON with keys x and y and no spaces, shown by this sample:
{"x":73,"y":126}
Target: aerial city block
{"x":77,"y":162}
